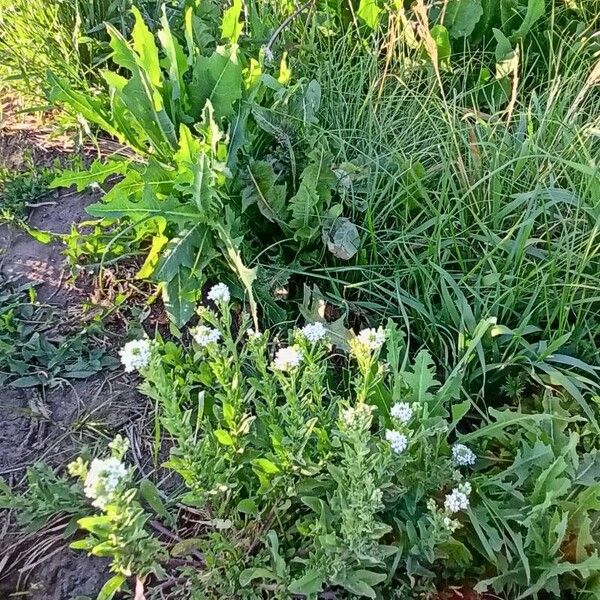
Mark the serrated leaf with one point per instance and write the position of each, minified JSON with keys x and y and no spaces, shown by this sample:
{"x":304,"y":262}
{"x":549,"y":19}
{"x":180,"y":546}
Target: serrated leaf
{"x":191,"y":248}
{"x":98,"y":172}
{"x":536,"y":9}
{"x":421,"y":378}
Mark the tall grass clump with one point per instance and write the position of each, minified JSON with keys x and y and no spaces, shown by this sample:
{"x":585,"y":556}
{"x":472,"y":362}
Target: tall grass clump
{"x":469,"y":213}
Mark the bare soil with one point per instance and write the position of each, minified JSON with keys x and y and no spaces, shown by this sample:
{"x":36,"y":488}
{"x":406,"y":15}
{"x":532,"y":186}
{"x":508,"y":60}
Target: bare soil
{"x":52,"y":424}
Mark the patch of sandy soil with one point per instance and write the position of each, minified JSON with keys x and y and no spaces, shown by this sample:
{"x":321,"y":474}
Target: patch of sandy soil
{"x":23,"y":257}
{"x":51,"y":424}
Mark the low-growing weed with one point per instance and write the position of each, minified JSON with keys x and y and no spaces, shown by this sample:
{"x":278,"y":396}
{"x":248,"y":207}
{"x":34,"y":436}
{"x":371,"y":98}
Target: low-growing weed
{"x":312,"y":472}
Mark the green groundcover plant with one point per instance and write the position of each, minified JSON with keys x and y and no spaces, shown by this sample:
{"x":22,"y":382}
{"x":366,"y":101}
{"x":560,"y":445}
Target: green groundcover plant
{"x":312,"y":472}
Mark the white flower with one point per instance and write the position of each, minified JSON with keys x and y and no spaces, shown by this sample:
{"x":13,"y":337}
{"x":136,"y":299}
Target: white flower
{"x":371,"y":339}
{"x":358,"y":416}
{"x":450,"y":524}
{"x":103,"y":478}
{"x":463,"y":455}
{"x":287,"y":359}
{"x":314,"y":332}
{"x":135,"y":355}
{"x":456,"y":501}
{"x":465,"y":488}
{"x":203,"y":335}
{"x":398,"y":441}
{"x":219,"y":293}
{"x":402,"y":412}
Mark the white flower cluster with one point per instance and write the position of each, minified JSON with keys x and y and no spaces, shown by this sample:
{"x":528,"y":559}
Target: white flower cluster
{"x":402,"y":412}
{"x":204,"y":336}
{"x":219,"y":293}
{"x":102,"y":480}
{"x":314,"y":332}
{"x":371,"y":339}
{"x":458,"y":498}
{"x":463,"y":455}
{"x":356,"y":417}
{"x":135,"y":355}
{"x":397,"y":440}
{"x":287,"y":359}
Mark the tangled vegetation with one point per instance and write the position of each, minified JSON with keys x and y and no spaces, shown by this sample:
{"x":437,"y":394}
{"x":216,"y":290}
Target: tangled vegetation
{"x":393,"y":391}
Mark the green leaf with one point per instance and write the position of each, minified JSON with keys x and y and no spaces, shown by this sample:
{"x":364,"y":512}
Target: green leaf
{"x":247,"y":576}
{"x":223,"y":437}
{"x":311,"y":200}
{"x":111,"y":587}
{"x":310,"y":583}
{"x":151,"y":495}
{"x":264,"y":191}
{"x":266,"y":465}
{"x":149,"y":206}
{"x":89,"y":108}
{"x":247,"y":507}
{"x":462,"y":16}
{"x":342,"y":238}
{"x":98,"y":172}
{"x":369,"y":12}
{"x":192,"y":248}
{"x":536,"y":9}
{"x":444,"y":48}
{"x":231,"y":26}
{"x":217,"y":78}
{"x":180,"y":296}
{"x":421,"y":379}
{"x":177,"y":65}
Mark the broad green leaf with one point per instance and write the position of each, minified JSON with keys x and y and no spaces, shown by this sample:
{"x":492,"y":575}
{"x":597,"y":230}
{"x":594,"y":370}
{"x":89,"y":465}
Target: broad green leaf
{"x":141,"y":94}
{"x":158,"y":243}
{"x":180,"y":296}
{"x":263,"y":190}
{"x":342,"y":238}
{"x":217,"y":78}
{"x":421,"y":378}
{"x":462,"y":16}
{"x":148,"y":207}
{"x":313,"y":196}
{"x":145,"y":46}
{"x":440,"y":36}
{"x":310,"y":583}
{"x":231,"y":26}
{"x":150,"y":494}
{"x":223,"y":437}
{"x":247,"y":507}
{"x":266,"y":465}
{"x":369,"y":12}
{"x":176,"y":64}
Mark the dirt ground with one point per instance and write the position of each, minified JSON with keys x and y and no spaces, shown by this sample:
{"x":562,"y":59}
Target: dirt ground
{"x":52,"y":423}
